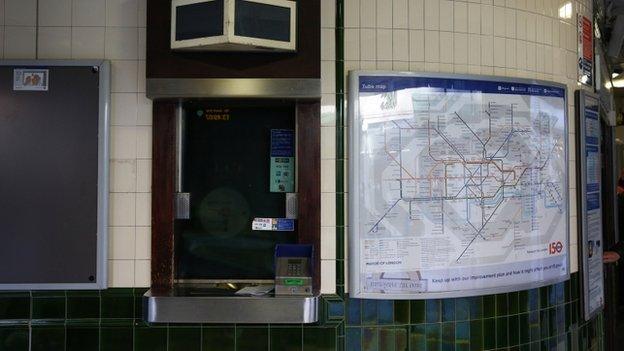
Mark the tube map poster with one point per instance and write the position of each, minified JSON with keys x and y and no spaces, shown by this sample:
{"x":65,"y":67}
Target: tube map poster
{"x":458,"y":185}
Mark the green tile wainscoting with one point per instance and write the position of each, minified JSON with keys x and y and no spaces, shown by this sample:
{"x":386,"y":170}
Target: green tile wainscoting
{"x":548,"y":318}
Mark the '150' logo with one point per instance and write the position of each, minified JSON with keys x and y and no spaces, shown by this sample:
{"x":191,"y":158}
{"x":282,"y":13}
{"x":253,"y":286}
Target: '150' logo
{"x":555,"y":248}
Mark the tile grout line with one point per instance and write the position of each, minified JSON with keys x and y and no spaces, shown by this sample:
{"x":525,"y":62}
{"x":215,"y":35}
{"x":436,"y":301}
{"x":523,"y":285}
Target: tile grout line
{"x":134,"y":263}
{"x":201,"y":337}
{"x":65,"y":331}
{"x":339,"y":139}
{"x":3,"y":27}
{"x":30,"y":302}
{"x":66,"y":303}
{"x":37,"y":30}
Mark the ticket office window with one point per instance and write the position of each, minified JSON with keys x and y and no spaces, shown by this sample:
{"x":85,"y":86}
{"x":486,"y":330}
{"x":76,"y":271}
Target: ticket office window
{"x":227,"y":173}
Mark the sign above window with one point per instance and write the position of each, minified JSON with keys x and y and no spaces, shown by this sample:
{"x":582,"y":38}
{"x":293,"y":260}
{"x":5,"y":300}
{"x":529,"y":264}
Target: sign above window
{"x":233,"y":25}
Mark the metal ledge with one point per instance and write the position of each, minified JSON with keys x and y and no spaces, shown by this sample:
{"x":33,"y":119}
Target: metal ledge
{"x":175,"y":306}
{"x":255,"y":88}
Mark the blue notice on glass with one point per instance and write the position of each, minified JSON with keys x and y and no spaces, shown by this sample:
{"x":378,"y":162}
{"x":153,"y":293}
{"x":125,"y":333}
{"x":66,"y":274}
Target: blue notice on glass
{"x":282,"y":166}
{"x":282,"y":143}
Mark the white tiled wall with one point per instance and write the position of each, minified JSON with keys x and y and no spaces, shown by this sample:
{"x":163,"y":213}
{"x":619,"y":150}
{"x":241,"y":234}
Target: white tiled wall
{"x":512,"y":38}
{"x":515,"y":38}
{"x":101,"y":29}
{"x":328,"y":147}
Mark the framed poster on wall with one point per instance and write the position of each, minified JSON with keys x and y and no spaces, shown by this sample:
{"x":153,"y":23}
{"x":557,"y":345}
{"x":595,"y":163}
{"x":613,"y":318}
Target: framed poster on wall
{"x":54,"y":152}
{"x":458,"y":185}
{"x":590,"y":203}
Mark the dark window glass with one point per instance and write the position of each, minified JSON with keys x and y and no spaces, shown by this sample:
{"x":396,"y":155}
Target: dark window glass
{"x":262,"y":21}
{"x":204,"y":19}
{"x":226,"y":171}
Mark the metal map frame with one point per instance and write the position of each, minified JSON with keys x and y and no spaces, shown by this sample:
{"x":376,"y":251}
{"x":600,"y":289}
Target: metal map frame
{"x":354,"y":237}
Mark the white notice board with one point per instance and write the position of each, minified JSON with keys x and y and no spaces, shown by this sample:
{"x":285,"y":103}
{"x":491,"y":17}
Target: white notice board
{"x":590,"y":204}
{"x":458,"y":185}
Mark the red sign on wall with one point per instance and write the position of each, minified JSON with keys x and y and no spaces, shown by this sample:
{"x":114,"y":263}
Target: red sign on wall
{"x":585,"y":51}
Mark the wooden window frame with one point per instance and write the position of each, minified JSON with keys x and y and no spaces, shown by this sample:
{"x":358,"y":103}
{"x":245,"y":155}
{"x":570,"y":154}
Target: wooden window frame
{"x":163,"y":187}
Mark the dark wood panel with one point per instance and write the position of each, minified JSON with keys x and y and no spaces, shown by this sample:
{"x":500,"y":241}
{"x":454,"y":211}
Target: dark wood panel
{"x":309,"y":180}
{"x":162,"y":62}
{"x":163,"y":187}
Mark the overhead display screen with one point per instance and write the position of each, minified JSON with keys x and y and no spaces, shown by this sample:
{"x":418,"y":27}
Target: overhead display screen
{"x":199,"y":20}
{"x":458,"y":185}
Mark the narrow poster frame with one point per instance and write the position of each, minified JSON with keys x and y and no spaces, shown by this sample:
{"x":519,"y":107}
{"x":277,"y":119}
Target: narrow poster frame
{"x":591,"y":240}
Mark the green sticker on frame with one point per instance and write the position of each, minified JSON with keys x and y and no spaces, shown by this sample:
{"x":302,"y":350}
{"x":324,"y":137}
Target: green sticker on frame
{"x":282,"y":161}
{"x":282,"y":174}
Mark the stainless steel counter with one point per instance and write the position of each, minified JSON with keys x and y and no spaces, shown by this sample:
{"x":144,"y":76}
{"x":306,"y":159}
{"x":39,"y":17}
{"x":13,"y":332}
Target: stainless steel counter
{"x":196,"y":305}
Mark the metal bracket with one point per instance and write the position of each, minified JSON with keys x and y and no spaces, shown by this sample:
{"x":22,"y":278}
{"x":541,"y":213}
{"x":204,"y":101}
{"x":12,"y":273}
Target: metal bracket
{"x":292,"y":205}
{"x":182,"y":205}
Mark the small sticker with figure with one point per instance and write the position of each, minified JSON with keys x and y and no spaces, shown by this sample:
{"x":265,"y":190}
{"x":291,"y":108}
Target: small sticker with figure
{"x":31,"y":79}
